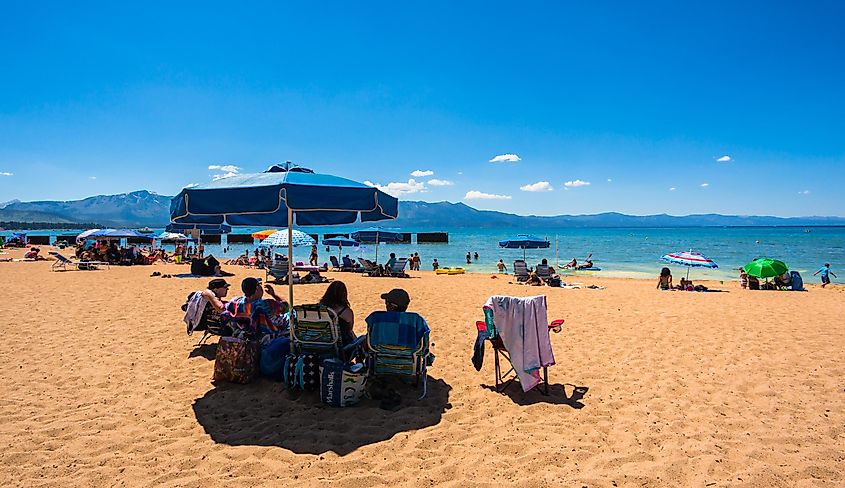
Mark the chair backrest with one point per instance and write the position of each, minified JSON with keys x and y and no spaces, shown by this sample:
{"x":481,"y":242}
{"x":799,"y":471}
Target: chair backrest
{"x":347,"y":263}
{"x":398,"y":341}
{"x":60,"y":257}
{"x":334,"y":261}
{"x":520,"y":268}
{"x":543,"y":270}
{"x":367,"y":264}
{"x":279,"y":268}
{"x":315,"y":330}
{"x":399,"y":266}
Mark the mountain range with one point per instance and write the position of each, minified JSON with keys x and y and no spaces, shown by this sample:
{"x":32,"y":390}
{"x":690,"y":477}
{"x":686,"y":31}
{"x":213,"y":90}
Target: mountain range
{"x":144,"y":208}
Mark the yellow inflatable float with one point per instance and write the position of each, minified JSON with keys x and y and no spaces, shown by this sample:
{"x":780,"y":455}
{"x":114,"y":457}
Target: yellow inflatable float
{"x":450,"y":271}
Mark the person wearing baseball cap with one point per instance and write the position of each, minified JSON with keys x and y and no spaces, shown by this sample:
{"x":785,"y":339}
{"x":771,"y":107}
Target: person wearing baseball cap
{"x":396,"y":300}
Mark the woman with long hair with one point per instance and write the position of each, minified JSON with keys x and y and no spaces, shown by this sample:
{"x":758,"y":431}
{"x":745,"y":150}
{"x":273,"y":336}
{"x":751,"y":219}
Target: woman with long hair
{"x":336,"y":298}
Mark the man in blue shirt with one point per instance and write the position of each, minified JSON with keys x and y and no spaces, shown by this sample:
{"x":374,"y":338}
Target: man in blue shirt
{"x":825,"y":270}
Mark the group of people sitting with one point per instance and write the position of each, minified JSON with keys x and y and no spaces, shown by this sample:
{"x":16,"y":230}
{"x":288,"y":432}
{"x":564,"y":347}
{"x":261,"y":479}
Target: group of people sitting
{"x":253,"y":316}
{"x":112,"y":253}
{"x":664,"y":282}
{"x":781,"y":282}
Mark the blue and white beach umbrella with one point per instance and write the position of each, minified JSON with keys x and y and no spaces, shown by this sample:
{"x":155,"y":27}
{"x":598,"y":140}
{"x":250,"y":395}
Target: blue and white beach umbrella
{"x":278,"y":197}
{"x":340,"y":242}
{"x":524,"y":241}
{"x":377,"y":235}
{"x":690,"y":259}
{"x":280,"y":239}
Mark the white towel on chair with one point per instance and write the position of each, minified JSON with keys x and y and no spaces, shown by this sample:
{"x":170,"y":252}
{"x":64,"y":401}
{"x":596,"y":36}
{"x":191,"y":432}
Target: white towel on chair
{"x":193,"y":315}
{"x":523,"y":325}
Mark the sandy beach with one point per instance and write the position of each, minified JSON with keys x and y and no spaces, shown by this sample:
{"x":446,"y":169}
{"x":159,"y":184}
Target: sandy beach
{"x":100,"y":386}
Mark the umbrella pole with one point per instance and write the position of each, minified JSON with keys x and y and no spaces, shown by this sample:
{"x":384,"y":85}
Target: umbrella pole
{"x":376,"y":247}
{"x":290,"y":258}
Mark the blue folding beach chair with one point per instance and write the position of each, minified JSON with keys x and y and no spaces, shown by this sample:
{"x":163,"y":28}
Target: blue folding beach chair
{"x":398,"y":344}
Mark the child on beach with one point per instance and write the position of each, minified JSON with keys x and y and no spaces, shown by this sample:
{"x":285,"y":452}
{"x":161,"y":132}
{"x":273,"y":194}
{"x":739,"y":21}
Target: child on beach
{"x":743,"y":279}
{"x":825,"y":271}
{"x":664,"y":281}
{"x":435,"y":264}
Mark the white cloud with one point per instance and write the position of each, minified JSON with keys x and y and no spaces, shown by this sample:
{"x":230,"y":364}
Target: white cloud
{"x":576,"y":183}
{"x":477,"y":195}
{"x":724,"y":159}
{"x":436,"y":182}
{"x":6,"y":173}
{"x":672,"y":189}
{"x":460,"y":172}
{"x":705,"y":185}
{"x":419,"y":173}
{"x":191,"y":185}
{"x":805,"y":192}
{"x":227,"y":170}
{"x":92,"y":177}
{"x":505,"y":158}
{"x":539,"y":186}
{"x":398,"y":188}
{"x":609,"y":180}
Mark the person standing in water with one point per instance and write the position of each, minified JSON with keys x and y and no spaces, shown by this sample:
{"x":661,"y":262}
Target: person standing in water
{"x":469,"y":258}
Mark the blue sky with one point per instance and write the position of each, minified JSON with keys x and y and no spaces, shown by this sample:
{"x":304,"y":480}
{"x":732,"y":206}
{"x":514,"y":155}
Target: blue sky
{"x":634,"y":99}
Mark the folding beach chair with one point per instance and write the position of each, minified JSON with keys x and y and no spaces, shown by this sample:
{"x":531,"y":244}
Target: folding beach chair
{"x":314,"y":330}
{"x":278,"y":270}
{"x":63,"y":262}
{"x":335,"y":263}
{"x":348,"y":265}
{"x":520,"y":270}
{"x":398,"y":268}
{"x":503,"y":378}
{"x":543,"y":272}
{"x":398,"y":344}
{"x":369,"y":267}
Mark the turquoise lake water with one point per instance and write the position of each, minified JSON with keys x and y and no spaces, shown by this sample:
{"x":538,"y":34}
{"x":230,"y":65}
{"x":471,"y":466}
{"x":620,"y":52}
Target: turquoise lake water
{"x":620,"y":252}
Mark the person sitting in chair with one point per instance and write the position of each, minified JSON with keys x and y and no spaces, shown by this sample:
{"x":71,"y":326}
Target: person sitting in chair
{"x":572,"y":264}
{"x":206,"y":312}
{"x":336,"y":298}
{"x":396,"y":300}
{"x":254,"y":316}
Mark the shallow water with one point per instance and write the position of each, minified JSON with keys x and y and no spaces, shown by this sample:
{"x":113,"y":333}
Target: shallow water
{"x":620,"y":252}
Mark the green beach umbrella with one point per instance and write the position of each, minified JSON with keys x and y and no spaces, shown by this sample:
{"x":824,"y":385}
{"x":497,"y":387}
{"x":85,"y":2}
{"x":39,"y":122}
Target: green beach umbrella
{"x":765,"y":268}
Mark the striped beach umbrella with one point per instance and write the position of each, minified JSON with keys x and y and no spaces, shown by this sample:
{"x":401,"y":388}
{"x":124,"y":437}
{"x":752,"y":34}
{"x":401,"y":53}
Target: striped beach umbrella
{"x":280,"y":239}
{"x":690,"y":259}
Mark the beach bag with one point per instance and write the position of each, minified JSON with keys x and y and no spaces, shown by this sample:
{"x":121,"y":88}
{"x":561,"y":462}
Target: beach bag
{"x":797,"y":281}
{"x":339,"y":385}
{"x":273,"y":356}
{"x":302,"y":371}
{"x":236,"y":360}
{"x":554,"y":281}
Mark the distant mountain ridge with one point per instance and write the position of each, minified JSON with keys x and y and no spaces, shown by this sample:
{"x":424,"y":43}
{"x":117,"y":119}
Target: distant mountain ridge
{"x":143,"y":208}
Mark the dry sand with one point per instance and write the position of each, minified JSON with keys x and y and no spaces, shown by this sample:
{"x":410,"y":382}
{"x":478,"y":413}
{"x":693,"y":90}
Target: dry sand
{"x":100,"y":386}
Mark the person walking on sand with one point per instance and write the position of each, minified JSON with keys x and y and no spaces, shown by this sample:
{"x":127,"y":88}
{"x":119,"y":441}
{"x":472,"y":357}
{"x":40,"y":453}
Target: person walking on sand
{"x":825,"y":271}
{"x":313,"y":259}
